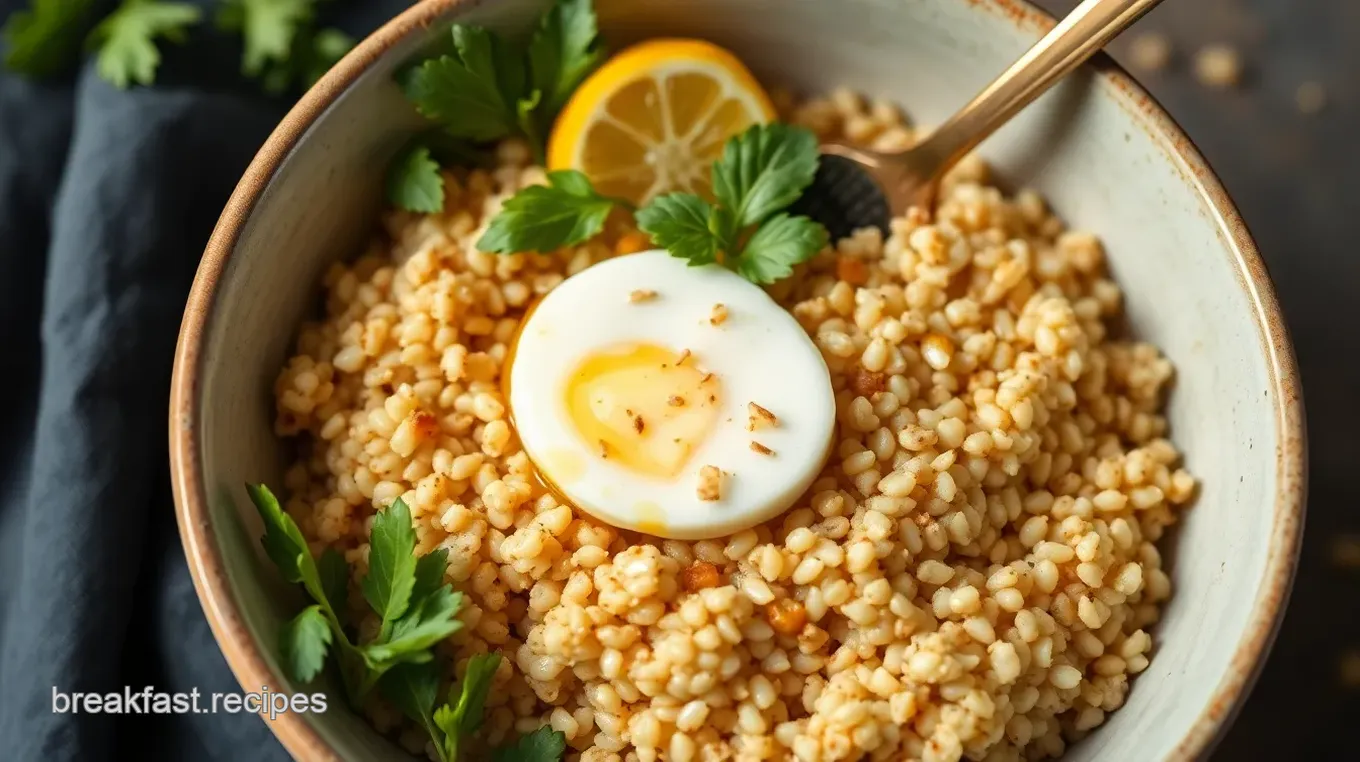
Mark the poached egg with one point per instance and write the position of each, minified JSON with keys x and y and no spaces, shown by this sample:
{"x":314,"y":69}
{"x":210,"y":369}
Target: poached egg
{"x":677,"y":401}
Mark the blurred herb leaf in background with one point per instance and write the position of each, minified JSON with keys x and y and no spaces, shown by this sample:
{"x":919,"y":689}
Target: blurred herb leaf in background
{"x":126,"y":40}
{"x":43,"y":40}
{"x":282,"y":46}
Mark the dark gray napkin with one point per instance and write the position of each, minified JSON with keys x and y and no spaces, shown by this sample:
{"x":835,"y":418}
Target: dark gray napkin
{"x":107,"y":198}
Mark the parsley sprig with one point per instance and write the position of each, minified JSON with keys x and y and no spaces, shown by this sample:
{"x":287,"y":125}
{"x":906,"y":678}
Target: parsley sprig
{"x":761,"y":172}
{"x":547,"y":217}
{"x":417,"y":610}
{"x":488,"y":89}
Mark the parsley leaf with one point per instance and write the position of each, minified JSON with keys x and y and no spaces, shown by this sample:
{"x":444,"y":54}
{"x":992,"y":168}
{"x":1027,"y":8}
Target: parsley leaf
{"x":287,"y":548}
{"x":565,"y":49}
{"x":413,"y":689}
{"x":303,"y":643}
{"x":270,"y":28}
{"x":544,"y":218}
{"x":463,"y":92}
{"x":780,"y":243}
{"x":488,"y":89}
{"x":763,"y":170}
{"x":429,"y":574}
{"x":126,"y":39}
{"x":682,"y":223}
{"x":282,"y":539}
{"x":489,"y":58}
{"x":414,"y":182}
{"x":481,"y":670}
{"x":542,"y":745}
{"x":45,"y":39}
{"x":334,"y":575}
{"x":427,"y":622}
{"x":462,"y":715}
{"x":391,"y":564}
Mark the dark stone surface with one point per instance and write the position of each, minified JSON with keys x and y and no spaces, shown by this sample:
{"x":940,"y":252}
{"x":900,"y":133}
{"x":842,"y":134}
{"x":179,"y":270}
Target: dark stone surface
{"x":1294,"y":178}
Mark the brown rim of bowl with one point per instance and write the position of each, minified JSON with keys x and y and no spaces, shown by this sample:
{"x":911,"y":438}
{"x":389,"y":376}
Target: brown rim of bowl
{"x":207,"y":565}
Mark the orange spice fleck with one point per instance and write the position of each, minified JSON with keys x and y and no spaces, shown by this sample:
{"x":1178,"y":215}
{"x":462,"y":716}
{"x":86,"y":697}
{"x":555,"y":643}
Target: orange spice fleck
{"x":786,"y":615}
{"x":699,"y":575}
{"x":632,"y":242}
{"x":867,"y":383}
{"x":852,"y":271}
{"x":759,"y":417}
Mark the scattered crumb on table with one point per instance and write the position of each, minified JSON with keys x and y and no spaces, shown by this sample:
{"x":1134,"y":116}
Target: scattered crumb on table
{"x":1346,"y":551}
{"x":1310,"y":97}
{"x":1150,"y":51}
{"x":1218,"y":66}
{"x":1350,"y":668}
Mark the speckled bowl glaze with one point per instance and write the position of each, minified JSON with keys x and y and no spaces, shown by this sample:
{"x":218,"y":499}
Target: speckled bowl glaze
{"x":1107,"y":157}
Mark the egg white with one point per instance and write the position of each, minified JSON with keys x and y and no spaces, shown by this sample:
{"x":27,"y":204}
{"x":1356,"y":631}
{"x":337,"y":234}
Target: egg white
{"x":759,"y":353}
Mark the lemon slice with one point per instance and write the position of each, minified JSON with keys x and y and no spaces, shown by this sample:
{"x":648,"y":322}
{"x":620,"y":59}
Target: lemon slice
{"x":654,"y":118}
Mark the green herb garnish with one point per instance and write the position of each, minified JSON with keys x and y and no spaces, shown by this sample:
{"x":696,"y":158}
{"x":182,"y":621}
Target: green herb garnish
{"x":43,"y":40}
{"x":565,"y":49}
{"x":488,"y":89}
{"x":542,"y":745}
{"x":544,"y":218}
{"x":472,"y":93}
{"x":303,"y":643}
{"x":268,"y":29}
{"x":126,"y":40}
{"x":46,"y":39}
{"x":282,"y":46}
{"x":414,"y":616}
{"x":462,"y":715}
{"x":413,"y":181}
{"x":761,"y":172}
{"x":417,"y":609}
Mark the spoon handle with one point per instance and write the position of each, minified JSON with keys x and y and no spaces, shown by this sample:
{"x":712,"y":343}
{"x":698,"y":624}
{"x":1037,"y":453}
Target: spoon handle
{"x":1075,"y":39}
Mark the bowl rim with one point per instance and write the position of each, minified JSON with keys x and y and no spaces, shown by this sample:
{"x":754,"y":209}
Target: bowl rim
{"x":208,"y":567}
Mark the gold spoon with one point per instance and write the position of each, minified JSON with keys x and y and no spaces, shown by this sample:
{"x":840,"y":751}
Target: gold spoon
{"x":843,"y":197}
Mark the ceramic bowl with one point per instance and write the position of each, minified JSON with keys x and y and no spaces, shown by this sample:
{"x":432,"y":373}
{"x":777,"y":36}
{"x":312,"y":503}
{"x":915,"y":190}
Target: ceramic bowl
{"x":1105,"y":155}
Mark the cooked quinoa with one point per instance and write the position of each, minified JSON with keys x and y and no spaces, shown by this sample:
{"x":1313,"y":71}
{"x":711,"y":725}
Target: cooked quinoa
{"x":973,"y":574}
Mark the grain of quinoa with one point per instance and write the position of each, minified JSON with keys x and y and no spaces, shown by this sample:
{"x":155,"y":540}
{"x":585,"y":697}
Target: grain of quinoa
{"x":975,"y":572}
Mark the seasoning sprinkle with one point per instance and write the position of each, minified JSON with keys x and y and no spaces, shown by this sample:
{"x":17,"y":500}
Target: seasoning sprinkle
{"x":719,"y":314}
{"x":759,"y":416}
{"x":642,"y":295}
{"x":760,"y":448}
{"x":676,"y":400}
{"x":710,"y":484}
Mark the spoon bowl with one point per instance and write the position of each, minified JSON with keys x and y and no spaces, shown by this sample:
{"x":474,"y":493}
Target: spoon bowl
{"x":856,"y":187}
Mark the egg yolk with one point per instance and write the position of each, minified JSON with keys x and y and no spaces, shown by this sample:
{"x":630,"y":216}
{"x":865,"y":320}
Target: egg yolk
{"x":643,"y":406}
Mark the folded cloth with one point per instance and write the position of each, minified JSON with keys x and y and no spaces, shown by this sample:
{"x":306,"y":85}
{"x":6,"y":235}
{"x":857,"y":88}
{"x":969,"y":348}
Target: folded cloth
{"x":107,"y":198}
